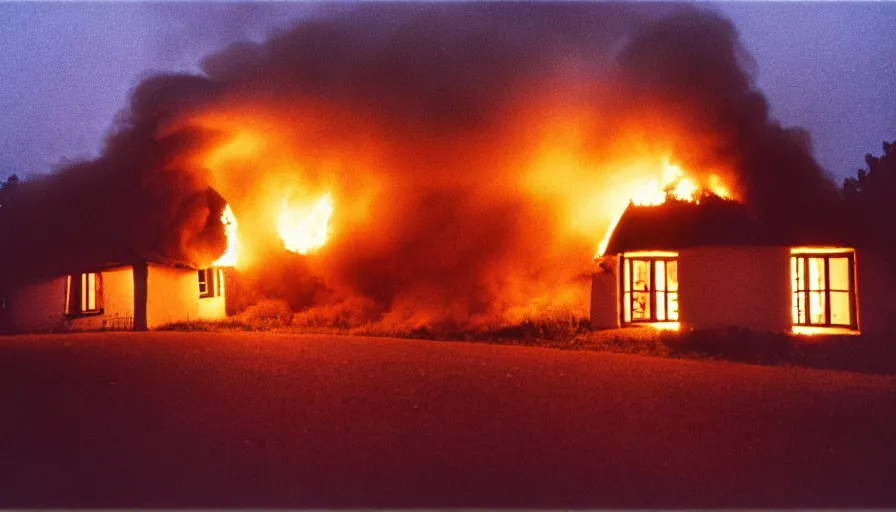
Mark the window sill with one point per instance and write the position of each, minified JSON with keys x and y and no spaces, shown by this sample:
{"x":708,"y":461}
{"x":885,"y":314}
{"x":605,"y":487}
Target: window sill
{"x":662,"y":326}
{"x":824,"y":330}
{"x":81,"y":314}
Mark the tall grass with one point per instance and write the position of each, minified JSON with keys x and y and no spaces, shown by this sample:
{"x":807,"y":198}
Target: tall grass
{"x":565,"y":329}
{"x":266,"y":315}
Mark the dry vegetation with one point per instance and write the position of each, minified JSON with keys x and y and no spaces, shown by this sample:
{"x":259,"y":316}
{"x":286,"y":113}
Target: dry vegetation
{"x":568,"y":331}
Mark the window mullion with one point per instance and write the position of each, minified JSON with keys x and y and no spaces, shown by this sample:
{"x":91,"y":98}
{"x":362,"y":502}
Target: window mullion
{"x":807,"y":318}
{"x":622,"y":262}
{"x":651,"y":288}
{"x":666,"y":289}
{"x":632,"y":287}
{"x":827,"y":291}
{"x":853,"y":314}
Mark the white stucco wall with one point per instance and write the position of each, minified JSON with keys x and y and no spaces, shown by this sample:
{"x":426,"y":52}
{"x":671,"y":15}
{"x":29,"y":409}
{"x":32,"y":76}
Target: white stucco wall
{"x":172,"y":295}
{"x":735,"y":287}
{"x":118,"y":303}
{"x":211,"y":308}
{"x":39,"y":307}
{"x":875,"y":292}
{"x":605,"y":297}
{"x":214,"y":308}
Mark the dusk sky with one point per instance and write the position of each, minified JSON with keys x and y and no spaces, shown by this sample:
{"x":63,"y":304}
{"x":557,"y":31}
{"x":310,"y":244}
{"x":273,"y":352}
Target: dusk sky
{"x":68,"y":68}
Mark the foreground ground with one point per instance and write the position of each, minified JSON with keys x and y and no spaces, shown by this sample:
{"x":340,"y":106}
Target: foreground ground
{"x":266,"y":420}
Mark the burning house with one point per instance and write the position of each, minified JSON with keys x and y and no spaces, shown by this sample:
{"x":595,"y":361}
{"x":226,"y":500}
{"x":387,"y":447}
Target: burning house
{"x":714,"y":265}
{"x":433,"y":165}
{"x":62,"y":276}
{"x":115,"y":296}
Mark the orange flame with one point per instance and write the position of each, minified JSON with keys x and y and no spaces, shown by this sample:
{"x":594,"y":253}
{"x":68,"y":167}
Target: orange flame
{"x":303,"y":230}
{"x":228,"y":259}
{"x":672,"y":183}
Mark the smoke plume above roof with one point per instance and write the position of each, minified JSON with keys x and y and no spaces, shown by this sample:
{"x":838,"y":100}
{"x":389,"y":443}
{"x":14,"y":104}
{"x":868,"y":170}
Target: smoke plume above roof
{"x":469,"y":148}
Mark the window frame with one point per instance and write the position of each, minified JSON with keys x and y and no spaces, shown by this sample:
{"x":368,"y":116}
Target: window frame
{"x":652,"y":290}
{"x":206,"y":276}
{"x":74,"y":294}
{"x":826,"y":256}
{"x":214,"y":282}
{"x":219,"y":281}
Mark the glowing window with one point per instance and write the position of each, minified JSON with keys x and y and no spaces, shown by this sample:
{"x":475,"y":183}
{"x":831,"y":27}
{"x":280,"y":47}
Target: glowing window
{"x":84,"y":294}
{"x":206,"y":283}
{"x":211,"y":282}
{"x":649,"y":289}
{"x":823,"y":289}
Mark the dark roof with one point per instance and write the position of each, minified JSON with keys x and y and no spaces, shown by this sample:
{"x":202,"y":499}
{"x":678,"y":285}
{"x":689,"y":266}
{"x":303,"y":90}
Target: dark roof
{"x":48,"y":233}
{"x":715,"y":222}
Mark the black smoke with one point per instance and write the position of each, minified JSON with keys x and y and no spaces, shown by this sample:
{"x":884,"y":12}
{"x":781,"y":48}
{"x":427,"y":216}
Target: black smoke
{"x":432,"y":114}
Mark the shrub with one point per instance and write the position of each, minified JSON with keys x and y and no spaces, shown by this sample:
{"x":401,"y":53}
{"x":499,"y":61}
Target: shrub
{"x":348,"y":314}
{"x":630,"y":340}
{"x":553,"y":326}
{"x":229,"y":324}
{"x":266,"y":315}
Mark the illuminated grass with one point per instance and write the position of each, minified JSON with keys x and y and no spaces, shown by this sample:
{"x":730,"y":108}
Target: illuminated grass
{"x":852,"y":353}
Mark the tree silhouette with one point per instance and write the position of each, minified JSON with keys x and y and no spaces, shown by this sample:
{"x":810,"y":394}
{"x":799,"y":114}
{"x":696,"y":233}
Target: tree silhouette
{"x":871,"y":196}
{"x":7,"y":190}
{"x":877,"y":181}
{"x":11,"y":183}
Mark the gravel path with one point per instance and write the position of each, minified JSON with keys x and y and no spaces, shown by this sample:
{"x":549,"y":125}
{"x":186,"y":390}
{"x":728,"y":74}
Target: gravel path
{"x":265,"y":420}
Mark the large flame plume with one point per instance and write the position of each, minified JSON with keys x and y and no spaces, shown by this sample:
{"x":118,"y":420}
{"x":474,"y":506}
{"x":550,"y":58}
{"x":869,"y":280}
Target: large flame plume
{"x":305,"y":229}
{"x":231,"y":232}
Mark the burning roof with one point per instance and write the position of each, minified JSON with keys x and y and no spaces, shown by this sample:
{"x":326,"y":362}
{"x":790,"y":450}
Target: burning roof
{"x":677,"y":224}
{"x":715,"y":221}
{"x":59,"y":224}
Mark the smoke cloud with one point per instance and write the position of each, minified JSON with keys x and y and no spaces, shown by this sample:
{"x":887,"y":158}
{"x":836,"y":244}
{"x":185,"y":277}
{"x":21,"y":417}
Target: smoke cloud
{"x":474,"y":152}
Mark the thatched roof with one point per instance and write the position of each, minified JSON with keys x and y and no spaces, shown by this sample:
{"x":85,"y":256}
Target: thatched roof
{"x":717,"y":222}
{"x":45,"y":232}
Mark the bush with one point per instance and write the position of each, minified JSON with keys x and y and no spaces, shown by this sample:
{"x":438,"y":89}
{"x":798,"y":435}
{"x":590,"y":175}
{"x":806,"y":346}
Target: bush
{"x":344,"y":315}
{"x":631,"y":340}
{"x":230,"y":324}
{"x":266,"y":315}
{"x":554,"y":326}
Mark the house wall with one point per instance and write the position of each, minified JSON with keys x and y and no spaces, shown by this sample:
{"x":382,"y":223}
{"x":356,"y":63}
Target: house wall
{"x":118,"y":303}
{"x":605,"y":297}
{"x":172,"y":295}
{"x":875,"y":292}
{"x":38,"y":307}
{"x":211,"y":308}
{"x":724,"y":287}
{"x":214,"y":308}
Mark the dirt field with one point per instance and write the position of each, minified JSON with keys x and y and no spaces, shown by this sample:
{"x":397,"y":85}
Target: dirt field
{"x":264,"y":420}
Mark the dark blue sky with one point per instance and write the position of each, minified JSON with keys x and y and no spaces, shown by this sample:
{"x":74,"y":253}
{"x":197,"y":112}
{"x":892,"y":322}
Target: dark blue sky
{"x":67,"y":68}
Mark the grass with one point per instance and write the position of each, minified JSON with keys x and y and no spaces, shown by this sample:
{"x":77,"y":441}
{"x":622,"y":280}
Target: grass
{"x":568,"y":331}
{"x":266,"y":315}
